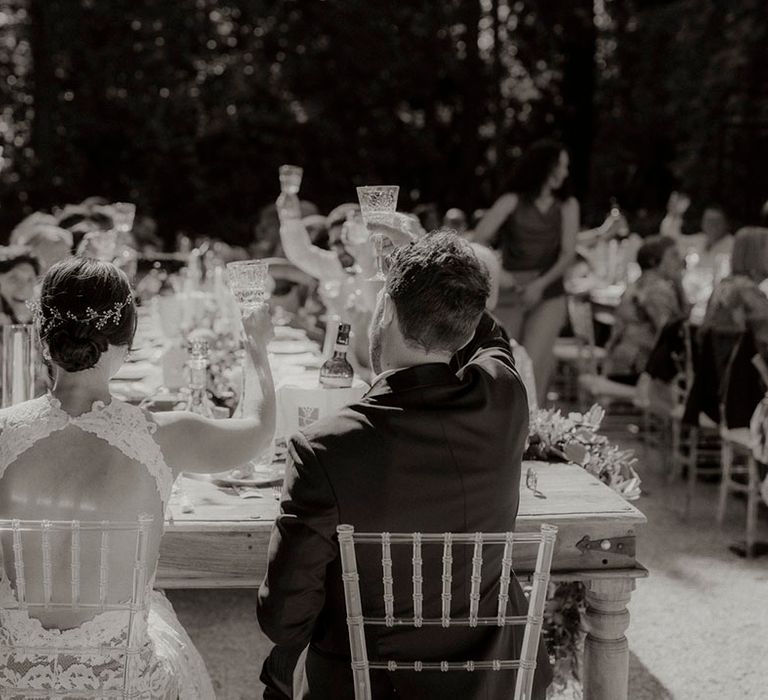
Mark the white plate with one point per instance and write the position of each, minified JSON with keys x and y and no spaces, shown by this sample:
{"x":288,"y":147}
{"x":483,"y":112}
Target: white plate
{"x":290,"y":347}
{"x":288,"y":333}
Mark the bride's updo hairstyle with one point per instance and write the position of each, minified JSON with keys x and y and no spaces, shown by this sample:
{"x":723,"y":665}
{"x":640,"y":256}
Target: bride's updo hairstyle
{"x":85,"y":306}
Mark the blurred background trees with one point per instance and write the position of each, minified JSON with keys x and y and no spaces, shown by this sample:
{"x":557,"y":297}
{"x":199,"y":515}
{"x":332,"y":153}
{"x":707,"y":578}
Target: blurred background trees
{"x":188,"y":107}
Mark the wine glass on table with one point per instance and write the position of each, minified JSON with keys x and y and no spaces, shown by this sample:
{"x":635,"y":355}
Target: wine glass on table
{"x":378,"y":204}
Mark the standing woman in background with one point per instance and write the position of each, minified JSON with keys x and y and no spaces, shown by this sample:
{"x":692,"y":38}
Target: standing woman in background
{"x":536,"y":228}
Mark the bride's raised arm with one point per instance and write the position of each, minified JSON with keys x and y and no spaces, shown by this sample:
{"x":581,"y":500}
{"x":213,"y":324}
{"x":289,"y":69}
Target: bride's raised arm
{"x":192,"y":443}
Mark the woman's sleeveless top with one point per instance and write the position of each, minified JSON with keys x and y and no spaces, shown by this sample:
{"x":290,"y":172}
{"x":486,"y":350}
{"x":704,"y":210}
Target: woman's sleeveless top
{"x":531,"y":241}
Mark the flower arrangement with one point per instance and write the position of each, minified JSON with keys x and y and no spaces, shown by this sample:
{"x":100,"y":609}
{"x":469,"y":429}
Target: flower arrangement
{"x":554,"y":437}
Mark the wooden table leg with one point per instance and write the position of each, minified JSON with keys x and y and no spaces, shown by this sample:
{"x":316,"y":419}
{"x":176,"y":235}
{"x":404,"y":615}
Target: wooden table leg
{"x":606,"y":651}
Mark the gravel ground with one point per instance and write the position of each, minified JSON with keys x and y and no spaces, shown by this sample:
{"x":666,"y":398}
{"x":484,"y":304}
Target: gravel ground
{"x":699,"y":628}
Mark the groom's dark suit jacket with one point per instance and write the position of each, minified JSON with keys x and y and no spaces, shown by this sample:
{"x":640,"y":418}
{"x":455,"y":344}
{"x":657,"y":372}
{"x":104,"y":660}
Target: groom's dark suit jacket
{"x":431,"y":448}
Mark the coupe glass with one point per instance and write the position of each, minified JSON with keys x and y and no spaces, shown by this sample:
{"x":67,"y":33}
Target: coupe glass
{"x":248,"y":282}
{"x":378,"y":204}
{"x":290,"y":178}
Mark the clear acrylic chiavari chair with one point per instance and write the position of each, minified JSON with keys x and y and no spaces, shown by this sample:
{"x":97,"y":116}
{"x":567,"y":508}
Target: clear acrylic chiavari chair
{"x":36,"y":565}
{"x":532,"y":621}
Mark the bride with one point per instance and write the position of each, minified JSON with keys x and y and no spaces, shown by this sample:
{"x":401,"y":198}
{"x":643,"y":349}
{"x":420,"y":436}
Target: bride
{"x":79,"y":454}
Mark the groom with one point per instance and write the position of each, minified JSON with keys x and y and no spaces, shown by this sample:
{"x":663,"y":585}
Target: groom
{"x":434,"y":446}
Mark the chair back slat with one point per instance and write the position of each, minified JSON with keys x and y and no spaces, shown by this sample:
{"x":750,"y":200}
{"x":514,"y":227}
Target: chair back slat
{"x":104,"y":567}
{"x":387,"y":580}
{"x":476,"y":580}
{"x":447,"y":579}
{"x":505,"y":578}
{"x":127,"y":649}
{"x":133,"y":638}
{"x":18,"y":561}
{"x":75,"y":563}
{"x":418,"y":579}
{"x":45,"y":535}
{"x":351,"y":580}
{"x":533,"y":620}
{"x":538,"y":598}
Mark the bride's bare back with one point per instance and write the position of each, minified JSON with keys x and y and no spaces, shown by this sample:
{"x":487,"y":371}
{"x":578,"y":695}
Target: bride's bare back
{"x":73,"y":474}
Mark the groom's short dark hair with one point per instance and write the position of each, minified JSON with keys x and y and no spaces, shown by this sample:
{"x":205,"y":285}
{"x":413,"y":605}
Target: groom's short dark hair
{"x":439,"y":288}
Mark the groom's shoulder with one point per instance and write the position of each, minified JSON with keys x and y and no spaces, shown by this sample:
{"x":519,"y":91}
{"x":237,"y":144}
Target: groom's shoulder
{"x":345,"y":432}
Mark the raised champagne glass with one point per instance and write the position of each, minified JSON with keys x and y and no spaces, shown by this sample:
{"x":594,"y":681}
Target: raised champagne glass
{"x":124,"y":215}
{"x":288,"y":205}
{"x":378,"y":204}
{"x":248,"y":282}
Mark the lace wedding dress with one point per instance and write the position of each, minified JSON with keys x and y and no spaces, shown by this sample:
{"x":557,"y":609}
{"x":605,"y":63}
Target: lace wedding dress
{"x":170,"y":666}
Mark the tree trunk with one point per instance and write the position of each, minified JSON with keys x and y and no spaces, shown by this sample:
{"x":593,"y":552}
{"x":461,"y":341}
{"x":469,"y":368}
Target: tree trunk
{"x":43,"y":95}
{"x":470,"y":119}
{"x":499,"y":106}
{"x":578,"y":90}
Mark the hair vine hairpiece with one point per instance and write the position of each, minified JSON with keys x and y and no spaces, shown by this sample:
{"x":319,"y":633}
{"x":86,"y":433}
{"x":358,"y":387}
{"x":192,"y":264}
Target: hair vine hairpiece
{"x":48,"y":317}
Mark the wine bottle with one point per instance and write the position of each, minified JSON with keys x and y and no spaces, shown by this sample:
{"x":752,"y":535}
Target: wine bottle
{"x":336,"y":371}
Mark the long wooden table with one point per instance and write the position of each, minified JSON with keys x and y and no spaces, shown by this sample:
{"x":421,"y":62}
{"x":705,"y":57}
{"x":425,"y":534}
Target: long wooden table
{"x":223,"y":543}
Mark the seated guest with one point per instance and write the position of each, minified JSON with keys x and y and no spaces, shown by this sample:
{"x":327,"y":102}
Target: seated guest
{"x":737,"y":302}
{"x":27,"y":225}
{"x":428,"y":216}
{"x":650,"y":302}
{"x":49,"y":244}
{"x":435,"y":446}
{"x":81,"y":220}
{"x":672,"y":224}
{"x":317,"y":228}
{"x":266,"y":234}
{"x":19,"y":269}
{"x":713,"y":241}
{"x":456,"y":219}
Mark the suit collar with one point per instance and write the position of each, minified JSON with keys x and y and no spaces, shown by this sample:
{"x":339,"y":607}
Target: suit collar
{"x":409,"y":378}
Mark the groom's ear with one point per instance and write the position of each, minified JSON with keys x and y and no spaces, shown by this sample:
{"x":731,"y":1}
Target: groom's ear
{"x":388,"y":311}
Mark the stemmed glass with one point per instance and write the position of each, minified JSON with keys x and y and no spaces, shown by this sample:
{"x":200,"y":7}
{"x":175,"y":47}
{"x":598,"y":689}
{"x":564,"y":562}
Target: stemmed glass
{"x":248,"y":282}
{"x":288,"y":205}
{"x":378,"y":204}
{"x":124,"y":214}
{"x":290,"y":178}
